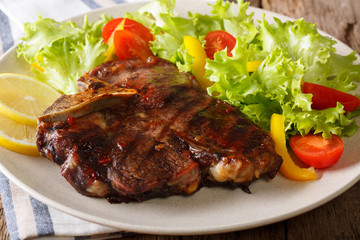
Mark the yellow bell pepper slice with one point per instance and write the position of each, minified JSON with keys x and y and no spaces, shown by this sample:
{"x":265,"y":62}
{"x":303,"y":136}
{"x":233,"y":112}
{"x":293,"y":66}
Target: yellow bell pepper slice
{"x":196,"y":50}
{"x":36,"y":65}
{"x":288,"y":168}
{"x":253,"y":65}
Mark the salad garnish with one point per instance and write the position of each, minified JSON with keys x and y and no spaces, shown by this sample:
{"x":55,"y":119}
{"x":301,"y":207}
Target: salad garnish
{"x":61,"y":52}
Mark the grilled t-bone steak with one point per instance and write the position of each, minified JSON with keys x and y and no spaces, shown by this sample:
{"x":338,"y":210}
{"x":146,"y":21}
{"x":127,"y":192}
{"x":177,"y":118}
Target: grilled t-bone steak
{"x":142,"y":129}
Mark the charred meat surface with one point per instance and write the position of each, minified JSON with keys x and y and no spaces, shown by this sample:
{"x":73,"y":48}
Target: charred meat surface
{"x":166,"y":136}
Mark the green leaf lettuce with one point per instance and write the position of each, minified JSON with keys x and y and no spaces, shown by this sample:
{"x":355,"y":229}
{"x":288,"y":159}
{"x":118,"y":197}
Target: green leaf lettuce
{"x":61,"y":52}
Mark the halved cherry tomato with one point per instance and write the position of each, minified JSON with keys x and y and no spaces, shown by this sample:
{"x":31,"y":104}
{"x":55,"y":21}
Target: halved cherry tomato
{"x":130,"y":45}
{"x":325,"y":97}
{"x":109,"y":28}
{"x":129,"y":24}
{"x":217,"y":41}
{"x":317,"y":151}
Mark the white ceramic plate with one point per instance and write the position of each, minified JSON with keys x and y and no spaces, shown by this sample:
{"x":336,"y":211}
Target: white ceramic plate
{"x":208,"y":211}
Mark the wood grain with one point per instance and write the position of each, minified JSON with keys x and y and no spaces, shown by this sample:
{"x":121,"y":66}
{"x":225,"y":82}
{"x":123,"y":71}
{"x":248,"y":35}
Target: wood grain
{"x":338,"y":219}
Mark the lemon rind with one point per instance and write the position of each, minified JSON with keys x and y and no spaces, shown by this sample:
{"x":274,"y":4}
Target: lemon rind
{"x":17,"y":116}
{"x":18,"y":146}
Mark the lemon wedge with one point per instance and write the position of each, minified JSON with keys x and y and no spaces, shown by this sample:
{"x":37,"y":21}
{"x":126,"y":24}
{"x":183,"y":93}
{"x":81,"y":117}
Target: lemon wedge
{"x":23,"y":98}
{"x":18,"y":137}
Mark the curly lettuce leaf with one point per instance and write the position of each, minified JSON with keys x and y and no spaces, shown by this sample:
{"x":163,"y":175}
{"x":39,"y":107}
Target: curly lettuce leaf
{"x":149,"y":15}
{"x":169,"y":38}
{"x":339,"y":72}
{"x":61,"y":52}
{"x":223,"y":17}
{"x":232,"y":80}
{"x":302,"y":41}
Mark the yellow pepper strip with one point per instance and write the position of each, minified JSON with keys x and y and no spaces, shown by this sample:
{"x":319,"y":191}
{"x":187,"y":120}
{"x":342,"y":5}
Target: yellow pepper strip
{"x":198,"y":67}
{"x":110,"y":53}
{"x":36,"y":65}
{"x":288,"y":168}
{"x":253,"y":65}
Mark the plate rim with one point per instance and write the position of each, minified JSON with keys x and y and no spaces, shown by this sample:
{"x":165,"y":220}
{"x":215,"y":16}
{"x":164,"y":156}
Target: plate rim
{"x":156,"y":230}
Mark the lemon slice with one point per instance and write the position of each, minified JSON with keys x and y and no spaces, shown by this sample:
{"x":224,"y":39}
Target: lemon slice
{"x":23,"y":98}
{"x":18,"y":137}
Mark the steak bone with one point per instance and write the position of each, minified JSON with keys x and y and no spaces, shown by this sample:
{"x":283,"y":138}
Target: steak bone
{"x":94,"y":99}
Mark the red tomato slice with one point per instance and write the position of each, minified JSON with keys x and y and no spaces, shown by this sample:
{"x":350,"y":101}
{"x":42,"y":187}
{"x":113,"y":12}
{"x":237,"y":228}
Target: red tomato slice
{"x":109,"y":28}
{"x":130,"y":25}
{"x":217,"y":41}
{"x":130,"y":45}
{"x":325,"y":97}
{"x":316,"y":151}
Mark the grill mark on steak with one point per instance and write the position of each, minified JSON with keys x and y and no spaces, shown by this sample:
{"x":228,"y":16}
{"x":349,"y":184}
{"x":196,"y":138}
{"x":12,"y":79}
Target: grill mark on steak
{"x":168,"y":138}
{"x":149,"y":165}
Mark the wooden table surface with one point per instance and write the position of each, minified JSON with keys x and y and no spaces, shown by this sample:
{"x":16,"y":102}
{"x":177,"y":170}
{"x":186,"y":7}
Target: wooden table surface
{"x":339,"y":218}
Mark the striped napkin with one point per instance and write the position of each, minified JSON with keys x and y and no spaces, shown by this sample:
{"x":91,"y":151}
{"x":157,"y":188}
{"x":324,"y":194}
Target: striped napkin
{"x":26,"y":217}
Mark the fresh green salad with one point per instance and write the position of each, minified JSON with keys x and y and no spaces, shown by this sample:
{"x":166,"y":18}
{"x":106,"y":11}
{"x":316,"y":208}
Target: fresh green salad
{"x":290,"y":53}
{"x":61,"y":52}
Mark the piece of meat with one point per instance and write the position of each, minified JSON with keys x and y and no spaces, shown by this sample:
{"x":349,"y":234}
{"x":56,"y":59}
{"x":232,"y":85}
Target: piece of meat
{"x":169,"y":137}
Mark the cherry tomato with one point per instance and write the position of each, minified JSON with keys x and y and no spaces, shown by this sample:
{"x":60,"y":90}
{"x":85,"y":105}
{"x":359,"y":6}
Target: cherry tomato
{"x":130,"y":45}
{"x":325,"y":97}
{"x":217,"y":41}
{"x":109,"y":28}
{"x":130,"y":25}
{"x":316,"y":151}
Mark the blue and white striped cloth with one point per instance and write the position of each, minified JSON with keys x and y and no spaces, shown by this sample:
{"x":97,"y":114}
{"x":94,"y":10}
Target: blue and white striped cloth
{"x":26,"y":217}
